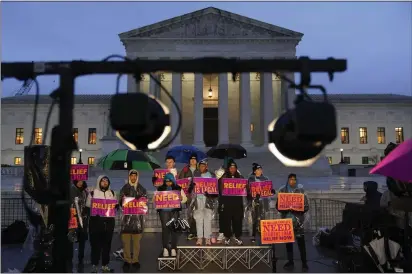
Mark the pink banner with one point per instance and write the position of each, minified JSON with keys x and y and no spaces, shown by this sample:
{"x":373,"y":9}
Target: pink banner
{"x":234,"y":187}
{"x":263,"y":188}
{"x":79,"y":172}
{"x":184,"y":184}
{"x":103,"y":207}
{"x":159,"y":174}
{"x":203,"y":185}
{"x":133,"y":206}
{"x":167,"y":199}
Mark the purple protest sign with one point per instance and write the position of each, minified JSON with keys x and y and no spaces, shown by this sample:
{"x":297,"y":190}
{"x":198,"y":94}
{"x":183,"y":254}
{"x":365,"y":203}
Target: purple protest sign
{"x":234,"y":187}
{"x":103,"y":207}
{"x":203,"y":185}
{"x":167,"y":199}
{"x":184,"y":184}
{"x":79,"y":172}
{"x":133,"y":206}
{"x":263,"y":188}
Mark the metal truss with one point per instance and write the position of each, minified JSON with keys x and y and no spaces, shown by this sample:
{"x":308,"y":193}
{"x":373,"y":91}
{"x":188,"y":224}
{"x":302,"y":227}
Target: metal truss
{"x":166,"y":263}
{"x":225,"y":257}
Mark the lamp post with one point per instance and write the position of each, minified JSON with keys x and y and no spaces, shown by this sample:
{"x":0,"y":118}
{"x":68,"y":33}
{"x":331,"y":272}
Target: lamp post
{"x":80,"y":158}
{"x":341,"y":156}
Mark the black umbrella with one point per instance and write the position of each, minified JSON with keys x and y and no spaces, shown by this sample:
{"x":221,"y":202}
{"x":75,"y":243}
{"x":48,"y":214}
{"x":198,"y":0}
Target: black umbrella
{"x":227,"y":151}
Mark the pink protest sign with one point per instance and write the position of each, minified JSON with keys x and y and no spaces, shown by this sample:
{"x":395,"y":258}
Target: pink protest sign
{"x":159,"y":174}
{"x":167,"y":199}
{"x":234,"y":187}
{"x":133,"y":206}
{"x":79,"y":172}
{"x":103,"y":207}
{"x":184,"y":184}
{"x":263,"y":188}
{"x":203,"y":185}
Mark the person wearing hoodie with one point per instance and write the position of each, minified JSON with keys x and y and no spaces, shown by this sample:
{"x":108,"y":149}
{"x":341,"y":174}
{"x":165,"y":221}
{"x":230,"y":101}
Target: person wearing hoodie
{"x":131,"y":225}
{"x":168,"y":235}
{"x":298,"y":219}
{"x":202,"y":206}
{"x":231,"y":208}
{"x":188,"y":172}
{"x":78,"y":190}
{"x":257,"y":176}
{"x":101,"y":228}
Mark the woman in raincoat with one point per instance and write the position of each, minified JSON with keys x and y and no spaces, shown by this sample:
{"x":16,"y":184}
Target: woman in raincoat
{"x":298,"y":219}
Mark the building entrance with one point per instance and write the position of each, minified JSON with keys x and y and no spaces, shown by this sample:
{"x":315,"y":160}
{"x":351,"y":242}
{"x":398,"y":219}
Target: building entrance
{"x":210,"y":126}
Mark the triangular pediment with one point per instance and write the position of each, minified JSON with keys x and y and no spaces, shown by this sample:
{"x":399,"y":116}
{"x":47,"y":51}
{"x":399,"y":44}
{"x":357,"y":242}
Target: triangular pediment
{"x":211,"y":23}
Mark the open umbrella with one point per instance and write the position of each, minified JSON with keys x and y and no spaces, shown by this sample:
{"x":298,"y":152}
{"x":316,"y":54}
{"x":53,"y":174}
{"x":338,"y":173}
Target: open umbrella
{"x":227,"y":151}
{"x":124,"y":159}
{"x":182,"y":153}
{"x":397,"y":164}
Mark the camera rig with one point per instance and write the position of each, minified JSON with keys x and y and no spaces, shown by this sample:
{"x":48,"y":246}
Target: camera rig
{"x":61,"y":143}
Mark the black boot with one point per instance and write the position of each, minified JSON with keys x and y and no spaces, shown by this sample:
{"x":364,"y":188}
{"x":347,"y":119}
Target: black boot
{"x":136,"y":266}
{"x":305,"y":267}
{"x":289,"y":265}
{"x":126,"y":267}
{"x":80,"y":267}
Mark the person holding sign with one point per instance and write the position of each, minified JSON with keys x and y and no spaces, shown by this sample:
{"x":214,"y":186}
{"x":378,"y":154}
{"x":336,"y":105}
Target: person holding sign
{"x":131,"y":224}
{"x":297,"y":216}
{"x":170,"y":164}
{"x":202,"y":206}
{"x":231,"y":208}
{"x":166,"y":214}
{"x":259,"y":208}
{"x":189,"y":172}
{"x":102,"y":202}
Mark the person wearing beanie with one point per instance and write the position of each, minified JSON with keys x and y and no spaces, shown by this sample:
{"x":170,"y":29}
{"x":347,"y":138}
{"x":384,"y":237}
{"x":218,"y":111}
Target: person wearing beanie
{"x":169,"y":235}
{"x":131,"y":225}
{"x":188,"y":172}
{"x":79,"y":190}
{"x":231,"y":208}
{"x":257,"y":176}
{"x":298,"y":219}
{"x":170,"y":163}
{"x":202,"y":206}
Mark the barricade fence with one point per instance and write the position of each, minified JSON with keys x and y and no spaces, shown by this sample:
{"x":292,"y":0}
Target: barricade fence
{"x":322,"y":213}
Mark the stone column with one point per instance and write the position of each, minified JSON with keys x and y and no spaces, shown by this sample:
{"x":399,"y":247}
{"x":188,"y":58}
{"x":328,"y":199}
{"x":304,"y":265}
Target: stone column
{"x":223,"y":105}
{"x":266,"y":97}
{"x":284,"y":95}
{"x":177,"y":96}
{"x":132,"y":85}
{"x":198,"y":111}
{"x":154,"y":88}
{"x":245,"y":110}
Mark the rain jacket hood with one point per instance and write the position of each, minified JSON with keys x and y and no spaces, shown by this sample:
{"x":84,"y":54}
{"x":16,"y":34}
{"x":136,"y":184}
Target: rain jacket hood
{"x":137,"y":181}
{"x":98,"y":183}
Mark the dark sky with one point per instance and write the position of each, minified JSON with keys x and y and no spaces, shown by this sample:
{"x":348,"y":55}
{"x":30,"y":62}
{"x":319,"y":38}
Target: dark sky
{"x":376,"y":38}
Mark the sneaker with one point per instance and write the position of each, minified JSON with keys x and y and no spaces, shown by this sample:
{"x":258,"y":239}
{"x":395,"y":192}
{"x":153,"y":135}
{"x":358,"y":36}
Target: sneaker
{"x":227,"y":241}
{"x":165,"y":252}
{"x":173,"y":253}
{"x":106,"y":269}
{"x":221,"y":237}
{"x":191,"y":237}
{"x":305,"y":267}
{"x":238,"y":241}
{"x":94,"y":269}
{"x":119,"y":254}
{"x":208,"y":242}
{"x":199,"y":241}
{"x":289,"y":265}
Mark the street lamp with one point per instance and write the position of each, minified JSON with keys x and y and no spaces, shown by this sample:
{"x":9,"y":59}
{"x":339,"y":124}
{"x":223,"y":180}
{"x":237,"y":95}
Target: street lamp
{"x":80,"y":158}
{"x":341,"y":156}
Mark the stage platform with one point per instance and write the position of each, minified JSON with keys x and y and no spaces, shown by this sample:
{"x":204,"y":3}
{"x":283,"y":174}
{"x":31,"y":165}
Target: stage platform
{"x":213,"y":257}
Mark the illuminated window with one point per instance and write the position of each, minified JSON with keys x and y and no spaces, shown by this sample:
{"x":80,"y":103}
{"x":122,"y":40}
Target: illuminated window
{"x":399,"y":134}
{"x":346,"y":160}
{"x":365,"y":160}
{"x":252,"y":127}
{"x":19,"y":136}
{"x":73,"y":160}
{"x":381,"y":135}
{"x":17,"y":161}
{"x":344,"y":135}
{"x":90,"y":161}
{"x":38,"y":136}
{"x":76,"y":135}
{"x":330,"y":160}
{"x":92,"y":138}
{"x":363,"y":135}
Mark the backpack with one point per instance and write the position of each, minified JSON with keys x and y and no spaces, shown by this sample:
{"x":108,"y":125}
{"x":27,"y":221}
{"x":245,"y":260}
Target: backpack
{"x":15,"y":233}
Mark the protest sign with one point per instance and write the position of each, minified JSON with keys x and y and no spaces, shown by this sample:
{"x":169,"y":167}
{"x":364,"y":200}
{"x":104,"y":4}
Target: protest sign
{"x":263,"y":188}
{"x":277,"y":231}
{"x":133,"y":206}
{"x":167,"y":199}
{"x":159,"y":174}
{"x":291,"y":201}
{"x":103,"y":207}
{"x":234,"y":187}
{"x":203,"y":185}
{"x":73,"y":219}
{"x":184,"y":184}
{"x":79,"y":172}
